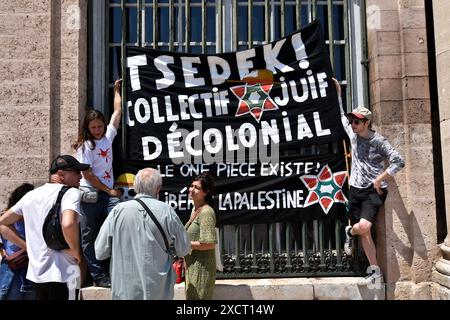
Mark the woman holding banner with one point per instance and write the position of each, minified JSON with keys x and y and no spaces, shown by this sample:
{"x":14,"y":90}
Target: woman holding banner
{"x":201,"y":263}
{"x":94,"y":146}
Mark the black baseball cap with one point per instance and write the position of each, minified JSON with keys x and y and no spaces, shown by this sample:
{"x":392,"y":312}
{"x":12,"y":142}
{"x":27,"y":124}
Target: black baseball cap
{"x":66,"y":162}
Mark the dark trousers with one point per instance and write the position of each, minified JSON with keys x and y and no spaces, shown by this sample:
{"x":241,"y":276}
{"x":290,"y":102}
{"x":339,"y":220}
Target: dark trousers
{"x":93,"y":216}
{"x":52,"y":291}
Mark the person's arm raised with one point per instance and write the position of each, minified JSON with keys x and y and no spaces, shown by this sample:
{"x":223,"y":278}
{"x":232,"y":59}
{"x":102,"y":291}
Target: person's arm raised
{"x":344,"y":119}
{"x":116,"y":117}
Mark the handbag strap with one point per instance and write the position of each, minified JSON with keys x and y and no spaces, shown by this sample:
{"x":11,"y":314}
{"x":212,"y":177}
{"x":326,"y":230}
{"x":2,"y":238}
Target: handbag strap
{"x":61,"y":193}
{"x":150,"y":213}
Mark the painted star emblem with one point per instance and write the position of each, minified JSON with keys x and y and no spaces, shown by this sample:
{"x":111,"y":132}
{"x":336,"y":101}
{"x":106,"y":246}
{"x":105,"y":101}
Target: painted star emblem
{"x":104,"y":154}
{"x":325,"y":188}
{"x":254,"y":99}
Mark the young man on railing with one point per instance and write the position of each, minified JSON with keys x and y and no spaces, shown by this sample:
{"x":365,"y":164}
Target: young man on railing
{"x":368,"y":188}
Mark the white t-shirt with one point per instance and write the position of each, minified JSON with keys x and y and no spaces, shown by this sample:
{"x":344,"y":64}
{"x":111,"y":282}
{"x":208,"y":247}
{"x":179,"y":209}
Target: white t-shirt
{"x":100,"y":158}
{"x":45,"y":264}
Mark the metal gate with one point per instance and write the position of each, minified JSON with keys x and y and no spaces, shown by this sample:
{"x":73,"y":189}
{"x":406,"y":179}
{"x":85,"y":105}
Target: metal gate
{"x":290,"y":249}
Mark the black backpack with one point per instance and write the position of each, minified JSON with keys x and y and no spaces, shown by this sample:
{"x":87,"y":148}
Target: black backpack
{"x":51,"y":229}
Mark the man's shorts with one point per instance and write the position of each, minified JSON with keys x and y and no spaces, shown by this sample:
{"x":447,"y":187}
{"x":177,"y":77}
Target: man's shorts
{"x":364,"y":203}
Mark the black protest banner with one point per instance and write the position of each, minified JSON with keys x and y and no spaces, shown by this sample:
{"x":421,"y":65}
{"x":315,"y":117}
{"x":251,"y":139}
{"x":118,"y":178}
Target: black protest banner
{"x":243,"y":116}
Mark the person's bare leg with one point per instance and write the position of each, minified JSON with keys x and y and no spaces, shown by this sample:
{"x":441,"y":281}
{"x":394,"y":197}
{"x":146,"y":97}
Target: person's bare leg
{"x":362,"y":228}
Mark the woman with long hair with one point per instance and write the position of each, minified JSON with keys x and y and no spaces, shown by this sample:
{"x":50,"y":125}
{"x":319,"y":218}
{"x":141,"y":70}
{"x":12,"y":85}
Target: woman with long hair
{"x":13,"y":283}
{"x":201,"y":263}
{"x":94,"y":146}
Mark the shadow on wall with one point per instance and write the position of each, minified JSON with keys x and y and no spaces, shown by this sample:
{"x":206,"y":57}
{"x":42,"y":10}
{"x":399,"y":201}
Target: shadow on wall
{"x":390,"y":246}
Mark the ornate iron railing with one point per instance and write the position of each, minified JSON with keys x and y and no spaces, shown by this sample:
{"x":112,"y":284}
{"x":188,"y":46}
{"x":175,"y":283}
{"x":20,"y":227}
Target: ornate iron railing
{"x":314,"y":249}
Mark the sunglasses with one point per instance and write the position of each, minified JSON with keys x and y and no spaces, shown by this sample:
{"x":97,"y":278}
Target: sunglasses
{"x":356,"y":121}
{"x":72,"y":170}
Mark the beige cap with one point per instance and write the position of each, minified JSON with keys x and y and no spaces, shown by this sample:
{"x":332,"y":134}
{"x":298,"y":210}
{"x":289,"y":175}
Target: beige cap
{"x":361,"y":113}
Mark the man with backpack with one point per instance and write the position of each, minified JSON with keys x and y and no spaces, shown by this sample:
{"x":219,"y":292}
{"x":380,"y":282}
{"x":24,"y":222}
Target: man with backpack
{"x":52,"y":271}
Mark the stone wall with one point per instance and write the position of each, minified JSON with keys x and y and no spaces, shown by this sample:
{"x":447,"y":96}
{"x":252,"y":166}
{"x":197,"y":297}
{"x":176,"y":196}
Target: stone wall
{"x":400,"y":99}
{"x":43,"y":69}
{"x":441,"y":9}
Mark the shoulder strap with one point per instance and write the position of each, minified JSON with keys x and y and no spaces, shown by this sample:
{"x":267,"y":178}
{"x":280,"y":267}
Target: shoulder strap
{"x":61,"y":193}
{"x":150,"y":213}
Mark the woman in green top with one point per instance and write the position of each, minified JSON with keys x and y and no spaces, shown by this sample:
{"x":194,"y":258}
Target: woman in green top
{"x":201,"y":263}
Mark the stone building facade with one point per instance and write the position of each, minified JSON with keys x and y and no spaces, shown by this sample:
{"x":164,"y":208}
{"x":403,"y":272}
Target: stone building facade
{"x":44,"y":71}
{"x":43,"y":62}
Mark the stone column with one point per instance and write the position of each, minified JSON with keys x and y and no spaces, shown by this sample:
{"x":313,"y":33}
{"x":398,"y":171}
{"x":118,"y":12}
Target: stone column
{"x":400,"y":100}
{"x":69,"y":72}
{"x":441,"y":9}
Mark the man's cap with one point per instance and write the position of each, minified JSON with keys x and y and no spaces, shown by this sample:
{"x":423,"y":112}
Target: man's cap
{"x":361,"y":113}
{"x":66,"y":162}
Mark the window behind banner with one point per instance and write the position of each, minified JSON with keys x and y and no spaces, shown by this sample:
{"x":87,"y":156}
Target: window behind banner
{"x":208,"y":26}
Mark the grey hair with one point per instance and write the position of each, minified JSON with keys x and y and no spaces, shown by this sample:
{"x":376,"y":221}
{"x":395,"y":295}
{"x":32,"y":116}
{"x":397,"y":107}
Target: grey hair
{"x":148,"y":181}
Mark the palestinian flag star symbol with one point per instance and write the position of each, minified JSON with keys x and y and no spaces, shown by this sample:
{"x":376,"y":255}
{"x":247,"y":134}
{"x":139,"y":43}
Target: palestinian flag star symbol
{"x":254,"y":99}
{"x":325,"y":188}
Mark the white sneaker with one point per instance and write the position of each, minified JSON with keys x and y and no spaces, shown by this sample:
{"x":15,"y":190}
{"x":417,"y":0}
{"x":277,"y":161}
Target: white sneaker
{"x":372,"y":279}
{"x":348,"y":244}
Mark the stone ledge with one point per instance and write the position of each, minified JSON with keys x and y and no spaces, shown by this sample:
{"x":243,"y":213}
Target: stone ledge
{"x":439,"y":292}
{"x":441,"y":279}
{"x":344,"y":288}
{"x":445,"y":251}
{"x":443,"y":266}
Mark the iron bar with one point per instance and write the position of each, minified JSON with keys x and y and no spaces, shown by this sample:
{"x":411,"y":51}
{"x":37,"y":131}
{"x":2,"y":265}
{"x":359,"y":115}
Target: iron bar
{"x":171,"y":26}
{"x":298,"y":10}
{"x":330,"y":32}
{"x":305,"y":245}
{"x":155,"y":24}
{"x":288,"y":247}
{"x":219,"y":23}
{"x":322,"y":265}
{"x":253,"y":242}
{"x":337,"y":234}
{"x":314,"y":10}
{"x":204,"y":26}
{"x":282,"y":17}
{"x":267,"y":21}
{"x":272,"y":263}
{"x":250,"y":23}
{"x":123,"y":72}
{"x":237,"y":248}
{"x":188,"y":25}
{"x":235,"y":38}
{"x":347,"y":59}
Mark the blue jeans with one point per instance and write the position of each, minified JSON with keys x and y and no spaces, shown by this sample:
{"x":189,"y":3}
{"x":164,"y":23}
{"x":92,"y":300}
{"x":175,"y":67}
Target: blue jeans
{"x":14,"y":285}
{"x":94,"y":214}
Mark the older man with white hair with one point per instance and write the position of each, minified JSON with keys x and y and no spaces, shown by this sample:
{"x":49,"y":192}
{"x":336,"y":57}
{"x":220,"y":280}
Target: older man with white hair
{"x":141,"y":265}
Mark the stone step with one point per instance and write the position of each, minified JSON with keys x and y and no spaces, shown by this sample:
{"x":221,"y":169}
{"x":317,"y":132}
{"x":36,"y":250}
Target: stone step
{"x":335,"y":288}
